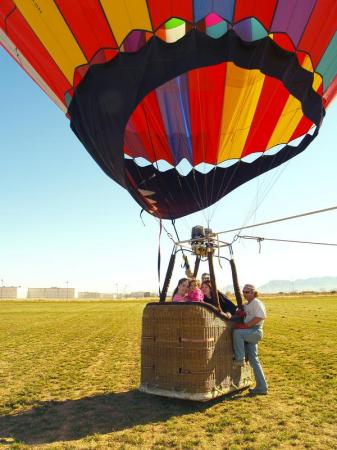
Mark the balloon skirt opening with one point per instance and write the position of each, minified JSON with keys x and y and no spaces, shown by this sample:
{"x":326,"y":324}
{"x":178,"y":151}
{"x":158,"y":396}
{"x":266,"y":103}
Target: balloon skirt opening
{"x":187,"y":353}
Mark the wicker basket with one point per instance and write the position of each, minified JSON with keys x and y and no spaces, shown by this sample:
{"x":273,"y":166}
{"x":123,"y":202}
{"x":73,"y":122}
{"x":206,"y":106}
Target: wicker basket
{"x":187,"y":352}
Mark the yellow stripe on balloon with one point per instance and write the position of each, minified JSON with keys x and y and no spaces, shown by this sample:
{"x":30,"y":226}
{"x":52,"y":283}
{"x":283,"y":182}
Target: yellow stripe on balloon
{"x":125,"y":16}
{"x":242,"y":92}
{"x":289,"y":119}
{"x":307,"y":64}
{"x":49,"y":26}
{"x":317,"y":81}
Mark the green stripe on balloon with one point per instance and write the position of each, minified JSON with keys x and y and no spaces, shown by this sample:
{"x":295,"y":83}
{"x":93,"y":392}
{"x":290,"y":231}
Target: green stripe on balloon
{"x":173,"y":23}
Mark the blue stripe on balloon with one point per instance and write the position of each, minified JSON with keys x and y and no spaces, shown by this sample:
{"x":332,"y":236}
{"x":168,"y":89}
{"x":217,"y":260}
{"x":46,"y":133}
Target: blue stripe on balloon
{"x":223,"y":8}
{"x":173,"y":100}
{"x":185,"y":111}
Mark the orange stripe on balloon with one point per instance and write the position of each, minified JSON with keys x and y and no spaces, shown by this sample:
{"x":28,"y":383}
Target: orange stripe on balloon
{"x":242,"y":93}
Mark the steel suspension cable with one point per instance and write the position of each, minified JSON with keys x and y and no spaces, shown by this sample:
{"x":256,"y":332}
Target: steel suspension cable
{"x":297,"y":216}
{"x":260,"y":239}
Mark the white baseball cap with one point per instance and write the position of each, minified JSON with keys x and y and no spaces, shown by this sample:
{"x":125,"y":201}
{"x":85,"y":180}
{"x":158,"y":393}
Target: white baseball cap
{"x":249,"y":287}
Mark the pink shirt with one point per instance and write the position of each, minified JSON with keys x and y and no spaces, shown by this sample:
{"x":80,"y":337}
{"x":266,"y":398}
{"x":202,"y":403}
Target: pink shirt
{"x":196,"y":296}
{"x":179,"y":298}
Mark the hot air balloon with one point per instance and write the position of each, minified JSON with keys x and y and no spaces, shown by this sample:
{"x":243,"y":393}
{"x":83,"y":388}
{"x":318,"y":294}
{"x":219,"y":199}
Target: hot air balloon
{"x":181,"y":101}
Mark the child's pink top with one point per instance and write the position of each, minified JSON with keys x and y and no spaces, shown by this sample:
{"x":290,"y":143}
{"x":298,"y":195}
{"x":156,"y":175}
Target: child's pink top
{"x":196,"y":295}
{"x":179,"y":298}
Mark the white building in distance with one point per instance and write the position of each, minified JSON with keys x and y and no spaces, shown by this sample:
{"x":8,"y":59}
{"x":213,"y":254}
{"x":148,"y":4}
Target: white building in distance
{"x":52,"y":292}
{"x":93,"y":295}
{"x":8,"y":292}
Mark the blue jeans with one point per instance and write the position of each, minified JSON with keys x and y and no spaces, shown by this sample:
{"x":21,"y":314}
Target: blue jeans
{"x":245,"y":341}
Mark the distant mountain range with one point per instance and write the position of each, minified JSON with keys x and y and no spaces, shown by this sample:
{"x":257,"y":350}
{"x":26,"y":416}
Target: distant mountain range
{"x":317,"y":284}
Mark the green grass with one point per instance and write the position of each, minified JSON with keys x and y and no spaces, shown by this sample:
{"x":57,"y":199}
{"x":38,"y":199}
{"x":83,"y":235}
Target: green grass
{"x":69,"y":373}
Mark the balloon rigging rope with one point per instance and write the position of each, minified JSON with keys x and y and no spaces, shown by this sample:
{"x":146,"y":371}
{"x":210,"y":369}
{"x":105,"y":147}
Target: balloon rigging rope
{"x":260,"y":239}
{"x":264,"y":189}
{"x":297,"y":216}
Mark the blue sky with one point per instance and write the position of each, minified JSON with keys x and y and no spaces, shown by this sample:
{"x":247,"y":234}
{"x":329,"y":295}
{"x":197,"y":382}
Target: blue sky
{"x":63,"y":219}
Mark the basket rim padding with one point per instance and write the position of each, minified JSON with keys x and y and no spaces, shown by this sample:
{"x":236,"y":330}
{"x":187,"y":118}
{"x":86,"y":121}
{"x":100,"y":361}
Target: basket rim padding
{"x":211,"y":308}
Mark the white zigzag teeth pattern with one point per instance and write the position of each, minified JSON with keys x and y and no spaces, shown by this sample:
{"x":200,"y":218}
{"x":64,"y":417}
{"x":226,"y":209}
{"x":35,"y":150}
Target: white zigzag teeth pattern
{"x":184,"y":167}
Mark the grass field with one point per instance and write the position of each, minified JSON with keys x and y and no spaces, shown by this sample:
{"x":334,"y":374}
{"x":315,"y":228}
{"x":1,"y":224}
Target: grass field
{"x":69,"y":373}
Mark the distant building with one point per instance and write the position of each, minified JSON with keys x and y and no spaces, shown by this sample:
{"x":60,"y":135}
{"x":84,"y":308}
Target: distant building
{"x":52,"y":292}
{"x":89,"y":295}
{"x":140,"y":294}
{"x":102,"y":295}
{"x":8,"y":292}
{"x":108,"y":295}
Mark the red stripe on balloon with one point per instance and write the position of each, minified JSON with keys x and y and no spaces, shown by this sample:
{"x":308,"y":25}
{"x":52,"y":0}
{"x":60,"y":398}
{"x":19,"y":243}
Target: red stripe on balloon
{"x":88,"y":24}
{"x":22,"y":36}
{"x":330,"y":94}
{"x":145,"y":133}
{"x":262,"y":11}
{"x":6,"y":6}
{"x":302,"y":128}
{"x":320,"y":30}
{"x":284,"y":41}
{"x":183,"y":9}
{"x":206,"y":87}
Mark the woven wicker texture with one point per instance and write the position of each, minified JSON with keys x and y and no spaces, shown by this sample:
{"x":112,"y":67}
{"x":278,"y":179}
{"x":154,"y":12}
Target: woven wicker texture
{"x":187,"y":353}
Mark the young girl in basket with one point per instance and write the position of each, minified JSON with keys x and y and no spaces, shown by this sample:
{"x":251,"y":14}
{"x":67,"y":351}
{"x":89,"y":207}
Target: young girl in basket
{"x":195,"y":294}
{"x":180,"y":292}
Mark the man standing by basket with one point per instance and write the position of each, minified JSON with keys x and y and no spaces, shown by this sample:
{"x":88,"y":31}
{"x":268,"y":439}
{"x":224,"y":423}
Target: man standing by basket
{"x":246,"y":336}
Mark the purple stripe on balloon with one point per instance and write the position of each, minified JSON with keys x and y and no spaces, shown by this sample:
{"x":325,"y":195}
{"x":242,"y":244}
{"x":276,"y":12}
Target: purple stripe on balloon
{"x":173,"y":99}
{"x":244,"y":30}
{"x":134,"y":41}
{"x":291,"y":17}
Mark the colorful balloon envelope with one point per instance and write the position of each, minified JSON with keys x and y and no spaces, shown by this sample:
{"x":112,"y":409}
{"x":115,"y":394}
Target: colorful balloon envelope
{"x":181,"y":101}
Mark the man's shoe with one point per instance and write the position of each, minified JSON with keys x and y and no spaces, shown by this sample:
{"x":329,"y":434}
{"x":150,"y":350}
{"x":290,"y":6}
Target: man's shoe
{"x":238,"y":363}
{"x":257,"y":392}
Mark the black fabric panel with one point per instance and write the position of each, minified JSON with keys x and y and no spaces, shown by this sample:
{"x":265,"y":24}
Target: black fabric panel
{"x":107,"y":96}
{"x":225,"y":180}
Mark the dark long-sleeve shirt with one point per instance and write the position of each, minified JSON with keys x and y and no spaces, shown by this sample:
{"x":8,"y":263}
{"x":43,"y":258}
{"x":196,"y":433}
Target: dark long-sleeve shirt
{"x":225,"y":304}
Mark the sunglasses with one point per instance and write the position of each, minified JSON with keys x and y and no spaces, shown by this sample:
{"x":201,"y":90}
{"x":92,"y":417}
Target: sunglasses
{"x":247,"y":292}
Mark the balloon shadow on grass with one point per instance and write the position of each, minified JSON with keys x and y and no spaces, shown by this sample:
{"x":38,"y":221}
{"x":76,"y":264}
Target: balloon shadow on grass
{"x":75,"y":419}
